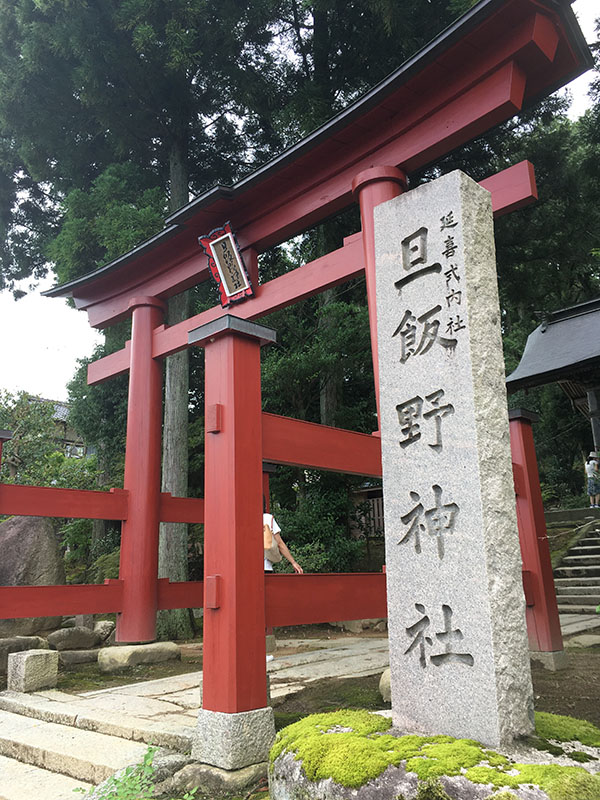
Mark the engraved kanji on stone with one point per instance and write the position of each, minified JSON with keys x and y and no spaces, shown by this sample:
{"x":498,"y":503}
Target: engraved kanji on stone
{"x":414,"y":254}
{"x":451,"y":274}
{"x":450,"y":247}
{"x":455,"y":325}
{"x":418,"y":632}
{"x":449,"y":638}
{"x":441,"y":519}
{"x":414,"y":342}
{"x":455,"y":296}
{"x":437,"y":521}
{"x":437,"y":412}
{"x":448,"y":221}
{"x":410,"y":413}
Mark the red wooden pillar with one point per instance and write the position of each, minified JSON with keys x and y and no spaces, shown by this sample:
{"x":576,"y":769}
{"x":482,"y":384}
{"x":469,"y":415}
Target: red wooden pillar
{"x":543,"y":624}
{"x":372,"y":187}
{"x":139,"y":540}
{"x":234,"y":586}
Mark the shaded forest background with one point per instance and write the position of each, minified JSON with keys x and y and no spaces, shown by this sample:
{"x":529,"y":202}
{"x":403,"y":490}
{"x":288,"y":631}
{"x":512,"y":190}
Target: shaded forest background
{"x":113,"y":112}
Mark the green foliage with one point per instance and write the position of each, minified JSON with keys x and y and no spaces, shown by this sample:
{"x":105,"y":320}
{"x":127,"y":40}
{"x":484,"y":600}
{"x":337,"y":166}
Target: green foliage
{"x":133,"y":783}
{"x":30,"y":456}
{"x":124,"y":205}
{"x":105,"y":566}
{"x":316,"y":529}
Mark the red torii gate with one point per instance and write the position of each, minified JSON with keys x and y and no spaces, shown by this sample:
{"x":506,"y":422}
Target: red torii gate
{"x":480,"y":71}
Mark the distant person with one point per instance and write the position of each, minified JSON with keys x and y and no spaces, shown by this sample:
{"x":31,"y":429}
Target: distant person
{"x":269,"y":519}
{"x":593,"y":480}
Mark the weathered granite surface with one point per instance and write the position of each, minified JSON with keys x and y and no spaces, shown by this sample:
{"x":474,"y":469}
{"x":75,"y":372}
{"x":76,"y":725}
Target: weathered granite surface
{"x":113,"y":659}
{"x":233,"y":741}
{"x":16,"y":644}
{"x":32,"y":670}
{"x":78,"y":637}
{"x":458,"y":646}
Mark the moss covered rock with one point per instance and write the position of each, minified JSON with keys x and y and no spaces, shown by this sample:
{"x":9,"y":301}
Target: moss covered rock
{"x":355,"y":754}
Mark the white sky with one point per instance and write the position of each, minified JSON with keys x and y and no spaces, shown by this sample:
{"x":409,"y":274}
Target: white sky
{"x":42,"y":338}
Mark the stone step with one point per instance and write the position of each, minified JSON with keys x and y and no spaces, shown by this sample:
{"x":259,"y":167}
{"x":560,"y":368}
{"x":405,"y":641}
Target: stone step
{"x":578,"y":599}
{"x":576,"y":609}
{"x":579,"y":589}
{"x":84,"y":755}
{"x":585,"y":550}
{"x":571,"y":571}
{"x":574,"y":561}
{"x":590,"y":541}
{"x":141,"y":719}
{"x":19,"y":781}
{"x":578,"y":581}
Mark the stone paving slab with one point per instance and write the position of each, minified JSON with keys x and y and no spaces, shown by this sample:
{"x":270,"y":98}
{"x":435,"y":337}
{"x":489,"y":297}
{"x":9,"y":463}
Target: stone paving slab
{"x":160,"y":686}
{"x":578,"y":623}
{"x":19,"y":781}
{"x":317,"y":665}
{"x":188,"y":698}
{"x":88,"y":756}
{"x":128,"y":705}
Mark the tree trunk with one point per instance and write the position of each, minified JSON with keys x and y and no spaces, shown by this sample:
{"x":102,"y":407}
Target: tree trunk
{"x":331,"y":378}
{"x":173,"y":540}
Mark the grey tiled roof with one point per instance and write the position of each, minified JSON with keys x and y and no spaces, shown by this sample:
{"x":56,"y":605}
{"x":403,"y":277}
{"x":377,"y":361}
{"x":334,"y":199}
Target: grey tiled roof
{"x":565,"y":345}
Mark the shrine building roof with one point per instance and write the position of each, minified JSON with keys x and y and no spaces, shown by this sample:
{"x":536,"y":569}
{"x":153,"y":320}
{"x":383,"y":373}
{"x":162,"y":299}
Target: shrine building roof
{"x":566,"y":346}
{"x":499,"y":57}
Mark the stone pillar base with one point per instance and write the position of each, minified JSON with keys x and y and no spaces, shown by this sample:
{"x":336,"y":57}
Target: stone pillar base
{"x":271,"y":643}
{"x":553,"y":661}
{"x":233,"y":741}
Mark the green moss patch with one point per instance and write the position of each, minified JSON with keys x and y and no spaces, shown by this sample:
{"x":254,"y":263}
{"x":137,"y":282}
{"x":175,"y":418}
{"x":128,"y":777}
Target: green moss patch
{"x":566,"y":729}
{"x":353,"y":748}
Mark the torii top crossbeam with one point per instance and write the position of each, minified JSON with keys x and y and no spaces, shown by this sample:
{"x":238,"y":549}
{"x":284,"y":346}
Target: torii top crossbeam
{"x":494,"y":60}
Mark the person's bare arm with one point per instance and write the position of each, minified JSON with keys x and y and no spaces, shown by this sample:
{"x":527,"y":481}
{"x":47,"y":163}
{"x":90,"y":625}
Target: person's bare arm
{"x":286,"y":554}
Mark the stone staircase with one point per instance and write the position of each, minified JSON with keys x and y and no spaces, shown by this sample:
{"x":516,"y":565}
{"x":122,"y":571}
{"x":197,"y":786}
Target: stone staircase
{"x":52,"y":743}
{"x":52,"y":759}
{"x":577,"y":579}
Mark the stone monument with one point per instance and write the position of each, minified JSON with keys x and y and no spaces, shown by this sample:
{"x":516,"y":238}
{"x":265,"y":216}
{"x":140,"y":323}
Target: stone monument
{"x":458,"y":644}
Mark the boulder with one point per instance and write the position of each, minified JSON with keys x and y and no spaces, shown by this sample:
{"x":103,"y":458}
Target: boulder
{"x":385,"y":688}
{"x":215,"y":782}
{"x":17,"y":644}
{"x":104,"y":627}
{"x":69,"y":657}
{"x":30,"y":557}
{"x":114,"y":659}
{"x":77,"y":638}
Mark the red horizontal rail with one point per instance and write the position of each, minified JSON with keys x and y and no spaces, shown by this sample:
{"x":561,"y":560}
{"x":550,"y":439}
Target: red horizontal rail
{"x":306,"y":444}
{"x":304,"y":599}
{"x":181,"y":509}
{"x":289,"y":599}
{"x":41,"y":501}
{"x":17,"y":602}
{"x":183,"y":594}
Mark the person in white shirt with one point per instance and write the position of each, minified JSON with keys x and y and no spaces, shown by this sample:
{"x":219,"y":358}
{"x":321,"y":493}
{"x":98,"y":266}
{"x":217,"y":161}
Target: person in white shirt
{"x":593,"y":480}
{"x":269,"y":519}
